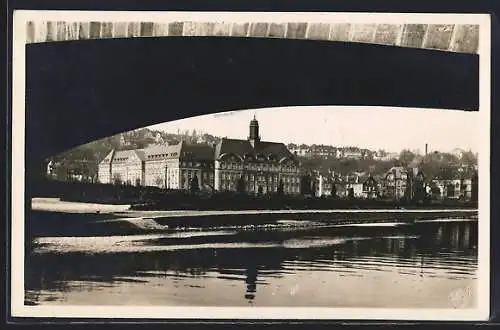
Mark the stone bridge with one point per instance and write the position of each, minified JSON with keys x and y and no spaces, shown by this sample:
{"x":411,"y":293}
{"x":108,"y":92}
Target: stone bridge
{"x":77,"y":92}
{"x":447,"y":37}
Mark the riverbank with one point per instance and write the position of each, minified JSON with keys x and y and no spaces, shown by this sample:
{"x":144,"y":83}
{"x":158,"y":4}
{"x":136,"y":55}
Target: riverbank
{"x":52,"y":217}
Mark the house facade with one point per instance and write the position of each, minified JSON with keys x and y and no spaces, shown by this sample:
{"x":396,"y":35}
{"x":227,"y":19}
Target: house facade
{"x":259,"y":166}
{"x":122,"y":166}
{"x":169,"y":167}
{"x":370,"y":188}
{"x":395,"y":183}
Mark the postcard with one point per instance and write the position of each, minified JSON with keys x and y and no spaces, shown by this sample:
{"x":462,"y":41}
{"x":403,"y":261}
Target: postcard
{"x":299,"y":210}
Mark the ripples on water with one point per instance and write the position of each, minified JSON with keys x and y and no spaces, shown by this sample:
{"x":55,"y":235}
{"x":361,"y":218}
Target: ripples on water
{"x":396,"y":265}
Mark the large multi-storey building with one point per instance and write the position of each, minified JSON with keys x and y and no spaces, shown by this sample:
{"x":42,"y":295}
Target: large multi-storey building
{"x":170,"y":167}
{"x":258,"y":166}
{"x":252,"y":165}
{"x":122,"y":166}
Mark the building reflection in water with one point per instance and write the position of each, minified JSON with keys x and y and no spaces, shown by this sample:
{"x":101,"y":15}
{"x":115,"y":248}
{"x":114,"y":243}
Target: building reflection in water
{"x":251,"y":283}
{"x":421,"y":248}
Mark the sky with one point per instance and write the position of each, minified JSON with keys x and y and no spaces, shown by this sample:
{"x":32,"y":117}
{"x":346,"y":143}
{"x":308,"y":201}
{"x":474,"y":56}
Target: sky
{"x":391,"y":129}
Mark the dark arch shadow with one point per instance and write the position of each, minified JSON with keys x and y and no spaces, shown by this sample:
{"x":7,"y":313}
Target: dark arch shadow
{"x":84,"y":90}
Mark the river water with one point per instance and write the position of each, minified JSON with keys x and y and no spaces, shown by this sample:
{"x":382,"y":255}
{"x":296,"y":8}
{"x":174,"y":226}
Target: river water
{"x":427,"y":265}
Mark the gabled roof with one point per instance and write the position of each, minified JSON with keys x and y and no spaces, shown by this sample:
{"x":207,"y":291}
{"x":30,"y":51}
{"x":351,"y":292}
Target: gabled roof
{"x":370,"y":179}
{"x":141,"y":154}
{"x":108,"y":157}
{"x":397,"y":171}
{"x":244,"y":147}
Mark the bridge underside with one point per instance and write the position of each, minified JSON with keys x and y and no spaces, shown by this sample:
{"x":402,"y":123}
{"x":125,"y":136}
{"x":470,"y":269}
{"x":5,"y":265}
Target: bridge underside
{"x":80,"y":91}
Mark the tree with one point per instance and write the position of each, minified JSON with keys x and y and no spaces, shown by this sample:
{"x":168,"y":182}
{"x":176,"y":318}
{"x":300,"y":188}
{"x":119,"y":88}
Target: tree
{"x":406,"y":157}
{"x":350,"y":193}
{"x":158,"y":181}
{"x":117,"y":178}
{"x":240,"y":185}
{"x":468,"y":158}
{"x":194,"y":186}
{"x":334,"y":190}
{"x":281,"y":188}
{"x":305,"y":184}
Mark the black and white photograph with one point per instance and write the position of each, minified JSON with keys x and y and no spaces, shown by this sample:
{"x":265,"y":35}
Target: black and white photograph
{"x":199,"y":165}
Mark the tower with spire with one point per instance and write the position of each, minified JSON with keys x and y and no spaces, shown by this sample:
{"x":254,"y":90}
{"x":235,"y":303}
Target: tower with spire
{"x":254,"y":137}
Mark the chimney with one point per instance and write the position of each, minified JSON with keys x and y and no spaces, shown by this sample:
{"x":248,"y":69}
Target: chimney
{"x":426,"y":149}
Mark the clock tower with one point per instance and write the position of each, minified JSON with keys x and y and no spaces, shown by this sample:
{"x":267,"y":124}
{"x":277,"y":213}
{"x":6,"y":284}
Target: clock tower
{"x":254,"y":137}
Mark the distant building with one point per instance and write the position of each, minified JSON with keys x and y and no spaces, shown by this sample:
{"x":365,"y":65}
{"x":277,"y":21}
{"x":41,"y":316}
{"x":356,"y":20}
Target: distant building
{"x":301,"y":151}
{"x":370,"y":188}
{"x":354,"y":186}
{"x":158,"y":138}
{"x":395,"y":183}
{"x":122,"y":166}
{"x":324,"y":185}
{"x":352,"y":154}
{"x":173,"y":167}
{"x":258,"y":165}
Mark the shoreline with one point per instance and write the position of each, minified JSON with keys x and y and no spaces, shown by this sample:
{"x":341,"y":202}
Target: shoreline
{"x":55,"y":218}
{"x":58,"y":205}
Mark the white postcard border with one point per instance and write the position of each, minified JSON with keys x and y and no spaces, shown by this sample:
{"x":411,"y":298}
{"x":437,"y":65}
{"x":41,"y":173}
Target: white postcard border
{"x":18,"y":309}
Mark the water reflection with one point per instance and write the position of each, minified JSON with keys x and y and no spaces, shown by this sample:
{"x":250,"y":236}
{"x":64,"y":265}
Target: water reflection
{"x":444,"y":251}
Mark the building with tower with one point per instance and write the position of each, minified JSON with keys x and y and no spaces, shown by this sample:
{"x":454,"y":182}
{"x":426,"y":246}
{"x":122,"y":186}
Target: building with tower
{"x":257,"y":167}
{"x":251,"y":166}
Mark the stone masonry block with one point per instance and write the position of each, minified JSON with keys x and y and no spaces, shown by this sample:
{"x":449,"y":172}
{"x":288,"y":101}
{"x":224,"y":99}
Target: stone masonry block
{"x":340,"y":32}
{"x":318,"y":31}
{"x":387,"y":34}
{"x":258,"y":30}
{"x":221,"y":29}
{"x":438,"y":36}
{"x":106,"y":30}
{"x":160,"y":29}
{"x":95,"y":30}
{"x":363,"y":32}
{"x":466,"y":39}
{"x":413,"y":35}
{"x":175,"y":28}
{"x":146,"y":29}
{"x":239,"y":30}
{"x":119,"y":30}
{"x":296,"y":30}
{"x":277,"y":30}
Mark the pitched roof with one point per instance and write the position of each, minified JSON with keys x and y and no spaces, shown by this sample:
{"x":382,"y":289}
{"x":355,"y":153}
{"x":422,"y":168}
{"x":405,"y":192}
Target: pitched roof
{"x":124,"y":155}
{"x":197,"y":152}
{"x":108,"y":157}
{"x":244,"y":147}
{"x":182,"y":150}
{"x":163,"y":151}
{"x":141,"y":154}
{"x":397,"y":171}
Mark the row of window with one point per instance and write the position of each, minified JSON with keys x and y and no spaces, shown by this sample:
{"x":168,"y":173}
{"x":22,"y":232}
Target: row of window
{"x":252,"y":188}
{"x":158,"y":156}
{"x":253,"y":177}
{"x":258,"y":167}
{"x":196,"y":164}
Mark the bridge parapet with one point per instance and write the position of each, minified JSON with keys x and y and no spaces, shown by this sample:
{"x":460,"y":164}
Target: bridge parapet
{"x":447,"y":37}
